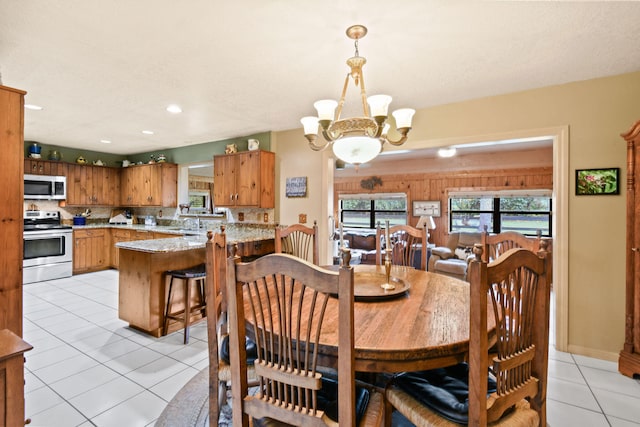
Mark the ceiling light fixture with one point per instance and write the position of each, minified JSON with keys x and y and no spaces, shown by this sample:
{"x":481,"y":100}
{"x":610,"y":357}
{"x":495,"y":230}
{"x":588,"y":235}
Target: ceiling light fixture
{"x":356,"y":140}
{"x":147,"y":132}
{"x":175,"y":109}
{"x":105,"y":141}
{"x":447,"y":152}
{"x":32,"y":107}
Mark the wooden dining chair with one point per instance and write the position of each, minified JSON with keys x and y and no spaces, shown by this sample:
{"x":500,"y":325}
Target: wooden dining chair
{"x":495,"y":245}
{"x":217,"y":325}
{"x":298,"y":240}
{"x":283,"y":299}
{"x":514,"y":290}
{"x":406,"y":243}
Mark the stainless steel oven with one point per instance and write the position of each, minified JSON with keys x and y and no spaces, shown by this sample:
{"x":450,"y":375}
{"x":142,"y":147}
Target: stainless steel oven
{"x":48,"y":247}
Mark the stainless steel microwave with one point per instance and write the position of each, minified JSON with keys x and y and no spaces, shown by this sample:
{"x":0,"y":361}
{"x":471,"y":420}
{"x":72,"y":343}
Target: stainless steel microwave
{"x":45,"y":187}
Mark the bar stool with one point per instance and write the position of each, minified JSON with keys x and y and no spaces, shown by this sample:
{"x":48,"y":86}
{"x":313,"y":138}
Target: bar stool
{"x":190,"y":276}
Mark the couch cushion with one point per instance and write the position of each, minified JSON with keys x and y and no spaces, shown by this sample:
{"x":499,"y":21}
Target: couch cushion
{"x":469,"y":239}
{"x":452,"y":266}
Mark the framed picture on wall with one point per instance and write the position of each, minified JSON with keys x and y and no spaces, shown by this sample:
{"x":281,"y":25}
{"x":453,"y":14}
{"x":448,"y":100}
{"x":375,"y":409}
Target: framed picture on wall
{"x":597,"y":182}
{"x":296,"y":187}
{"x":426,"y":208}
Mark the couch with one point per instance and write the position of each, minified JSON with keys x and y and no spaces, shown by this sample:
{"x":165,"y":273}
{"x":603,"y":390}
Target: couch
{"x":362,"y":244}
{"x":453,"y":258}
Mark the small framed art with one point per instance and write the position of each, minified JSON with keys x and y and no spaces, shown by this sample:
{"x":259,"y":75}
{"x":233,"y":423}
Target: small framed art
{"x":597,"y":182}
{"x":426,"y":208}
{"x":296,"y":187}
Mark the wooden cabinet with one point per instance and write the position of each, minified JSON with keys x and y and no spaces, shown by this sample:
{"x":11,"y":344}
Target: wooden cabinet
{"x":629,"y":361}
{"x":44,"y":167}
{"x":244,"y":179}
{"x":150,"y":185}
{"x":92,"y":185}
{"x":12,"y":350}
{"x":11,"y":210}
{"x":90,"y":250}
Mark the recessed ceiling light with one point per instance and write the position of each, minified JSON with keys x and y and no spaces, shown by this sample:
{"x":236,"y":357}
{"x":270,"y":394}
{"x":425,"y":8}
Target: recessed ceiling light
{"x":105,"y":141}
{"x":447,"y":152}
{"x":32,"y":107}
{"x":175,"y":109}
{"x":147,"y":132}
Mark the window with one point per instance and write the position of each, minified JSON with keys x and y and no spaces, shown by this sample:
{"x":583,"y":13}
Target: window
{"x":366,"y":210}
{"x":525,"y":213}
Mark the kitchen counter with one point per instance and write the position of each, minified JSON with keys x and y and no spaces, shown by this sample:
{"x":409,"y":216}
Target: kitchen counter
{"x":143,"y":264}
{"x":186,"y":239}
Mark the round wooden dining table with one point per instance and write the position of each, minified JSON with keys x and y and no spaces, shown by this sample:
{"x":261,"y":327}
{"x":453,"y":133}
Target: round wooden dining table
{"x":424,"y":327}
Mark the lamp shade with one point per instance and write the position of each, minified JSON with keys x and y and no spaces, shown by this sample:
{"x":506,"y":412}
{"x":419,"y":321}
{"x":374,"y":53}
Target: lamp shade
{"x":326,"y":108}
{"x":357,"y":149}
{"x":310,"y":125}
{"x":403,"y":117}
{"x":379,"y":105}
{"x":426,"y":221}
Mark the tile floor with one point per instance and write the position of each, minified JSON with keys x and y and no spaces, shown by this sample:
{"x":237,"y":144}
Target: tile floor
{"x":88,"y":368}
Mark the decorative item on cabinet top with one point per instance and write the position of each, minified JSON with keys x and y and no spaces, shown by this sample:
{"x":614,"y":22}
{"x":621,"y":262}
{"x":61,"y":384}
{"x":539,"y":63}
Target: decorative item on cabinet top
{"x":254,"y":144}
{"x":231,"y":148}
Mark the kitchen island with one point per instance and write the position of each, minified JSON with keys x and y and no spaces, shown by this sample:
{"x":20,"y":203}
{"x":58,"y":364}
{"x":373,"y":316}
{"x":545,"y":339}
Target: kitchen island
{"x":143,"y":263}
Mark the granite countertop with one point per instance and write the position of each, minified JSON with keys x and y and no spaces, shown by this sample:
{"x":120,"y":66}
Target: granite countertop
{"x":195,"y":239}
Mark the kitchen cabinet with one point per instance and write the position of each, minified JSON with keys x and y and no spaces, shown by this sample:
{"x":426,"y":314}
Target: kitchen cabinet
{"x":44,"y":167}
{"x":150,"y":185}
{"x":11,"y":211}
{"x":90,"y":250}
{"x":629,"y":361}
{"x":244,"y":179}
{"x":12,"y":350}
{"x":92,"y":185}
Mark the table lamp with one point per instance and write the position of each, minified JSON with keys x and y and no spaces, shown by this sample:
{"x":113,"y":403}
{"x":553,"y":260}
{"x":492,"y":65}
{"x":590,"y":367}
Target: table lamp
{"x":428,"y":222}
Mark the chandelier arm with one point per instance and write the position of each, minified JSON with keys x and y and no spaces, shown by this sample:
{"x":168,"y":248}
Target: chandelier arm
{"x":341,"y":101}
{"x":404,"y":132}
{"x":363,"y":95}
{"x":321,"y":147}
{"x":329,"y":137}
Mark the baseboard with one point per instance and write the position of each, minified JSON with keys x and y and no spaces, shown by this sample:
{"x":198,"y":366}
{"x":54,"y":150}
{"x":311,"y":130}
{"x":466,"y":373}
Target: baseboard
{"x":590,"y":352}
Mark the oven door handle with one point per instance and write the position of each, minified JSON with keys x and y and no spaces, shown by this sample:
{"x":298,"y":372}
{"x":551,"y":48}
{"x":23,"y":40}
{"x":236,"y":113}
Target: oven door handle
{"x":30,"y":235}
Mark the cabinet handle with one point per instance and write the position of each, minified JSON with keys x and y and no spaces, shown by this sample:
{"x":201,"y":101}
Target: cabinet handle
{"x":236,"y":197}
{"x":231,"y":197}
{"x":41,"y":168}
{"x":34,"y":167}
{"x":635,"y":249}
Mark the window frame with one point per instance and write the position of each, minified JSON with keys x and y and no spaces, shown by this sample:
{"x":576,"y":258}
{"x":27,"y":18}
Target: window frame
{"x":496,"y":213}
{"x":372,"y":211}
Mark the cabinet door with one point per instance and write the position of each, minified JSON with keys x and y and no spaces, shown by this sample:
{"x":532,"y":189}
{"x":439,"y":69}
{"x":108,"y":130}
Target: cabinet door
{"x":110,"y":191}
{"x":247,"y":173}
{"x":130,"y":182}
{"x":118,"y":235}
{"x":151,"y":194}
{"x":224,"y":188}
{"x":90,"y":250}
{"x":77,"y":194}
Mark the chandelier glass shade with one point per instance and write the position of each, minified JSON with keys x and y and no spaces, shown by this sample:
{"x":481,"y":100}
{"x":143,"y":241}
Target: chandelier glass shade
{"x":356,"y":140}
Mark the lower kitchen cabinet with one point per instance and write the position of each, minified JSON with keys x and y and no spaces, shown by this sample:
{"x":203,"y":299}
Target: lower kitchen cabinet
{"x":12,"y":350}
{"x":90,"y":250}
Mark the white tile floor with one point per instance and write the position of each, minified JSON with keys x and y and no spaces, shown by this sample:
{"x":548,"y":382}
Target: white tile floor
{"x":88,"y":368}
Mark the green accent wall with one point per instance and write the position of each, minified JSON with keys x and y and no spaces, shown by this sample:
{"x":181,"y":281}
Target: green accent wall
{"x":188,"y":154}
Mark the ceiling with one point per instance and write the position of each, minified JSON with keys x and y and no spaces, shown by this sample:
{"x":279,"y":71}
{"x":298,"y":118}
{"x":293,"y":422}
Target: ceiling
{"x":107,"y":70}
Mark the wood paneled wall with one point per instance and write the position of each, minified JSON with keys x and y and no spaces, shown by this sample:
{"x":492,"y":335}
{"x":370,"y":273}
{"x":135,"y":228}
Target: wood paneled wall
{"x":436,"y":186}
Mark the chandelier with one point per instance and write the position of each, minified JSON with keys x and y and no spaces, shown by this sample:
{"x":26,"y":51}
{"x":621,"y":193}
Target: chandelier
{"x":356,"y":140}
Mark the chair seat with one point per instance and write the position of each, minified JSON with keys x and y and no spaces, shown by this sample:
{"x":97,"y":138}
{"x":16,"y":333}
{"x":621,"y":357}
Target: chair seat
{"x":522,"y":415}
{"x":189,"y":273}
{"x":369,"y":406}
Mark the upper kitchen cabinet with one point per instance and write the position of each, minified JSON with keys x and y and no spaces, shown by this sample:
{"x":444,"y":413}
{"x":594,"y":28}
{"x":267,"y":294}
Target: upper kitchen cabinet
{"x":150,"y":185}
{"x":244,"y":179}
{"x":92,"y":185}
{"x":44,"y":167}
